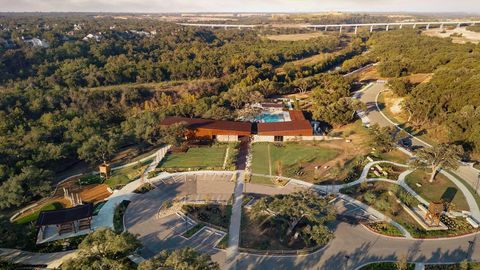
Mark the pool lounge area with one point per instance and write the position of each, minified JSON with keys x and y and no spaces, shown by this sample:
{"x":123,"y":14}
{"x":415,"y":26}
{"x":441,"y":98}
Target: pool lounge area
{"x":271,"y":117}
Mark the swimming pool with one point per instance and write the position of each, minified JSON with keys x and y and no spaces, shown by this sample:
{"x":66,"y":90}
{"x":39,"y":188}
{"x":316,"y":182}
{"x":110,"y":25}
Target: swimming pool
{"x":267,"y":117}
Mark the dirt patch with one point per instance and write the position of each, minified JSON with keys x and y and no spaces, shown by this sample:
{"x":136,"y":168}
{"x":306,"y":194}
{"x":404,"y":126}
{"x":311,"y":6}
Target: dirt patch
{"x":461,"y":35}
{"x":294,"y":37}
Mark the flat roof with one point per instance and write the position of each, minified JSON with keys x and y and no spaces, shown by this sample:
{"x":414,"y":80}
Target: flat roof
{"x":60,"y":216}
{"x":196,"y":123}
{"x":283,"y":126}
{"x":297,"y":123}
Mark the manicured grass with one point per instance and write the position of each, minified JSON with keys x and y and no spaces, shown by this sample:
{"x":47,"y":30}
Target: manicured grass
{"x":34,"y":215}
{"x":386,"y":203}
{"x":394,"y":156}
{"x":193,"y":230}
{"x":288,"y":159}
{"x":125,"y":175}
{"x":261,"y":180}
{"x":442,"y":189}
{"x":196,"y":158}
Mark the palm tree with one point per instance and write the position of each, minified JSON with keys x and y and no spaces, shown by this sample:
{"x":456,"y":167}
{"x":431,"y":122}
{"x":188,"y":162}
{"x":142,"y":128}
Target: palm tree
{"x":440,"y":156}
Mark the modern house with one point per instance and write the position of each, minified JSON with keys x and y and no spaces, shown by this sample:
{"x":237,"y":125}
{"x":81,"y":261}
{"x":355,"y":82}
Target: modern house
{"x":297,"y":128}
{"x":220,"y":130}
{"x":271,"y":126}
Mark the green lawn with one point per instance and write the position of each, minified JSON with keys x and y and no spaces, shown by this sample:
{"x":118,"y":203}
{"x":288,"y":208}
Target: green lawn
{"x":196,"y":158}
{"x":125,"y":175}
{"x":441,"y":189}
{"x":288,"y":159}
{"x":386,"y":202}
{"x":33,"y":216}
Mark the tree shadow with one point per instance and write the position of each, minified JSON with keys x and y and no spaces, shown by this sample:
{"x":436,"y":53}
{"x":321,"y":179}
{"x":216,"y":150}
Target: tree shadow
{"x":449,"y":194}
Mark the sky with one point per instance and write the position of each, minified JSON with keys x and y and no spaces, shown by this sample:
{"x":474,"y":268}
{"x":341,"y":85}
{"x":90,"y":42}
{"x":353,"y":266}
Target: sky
{"x":158,"y":6}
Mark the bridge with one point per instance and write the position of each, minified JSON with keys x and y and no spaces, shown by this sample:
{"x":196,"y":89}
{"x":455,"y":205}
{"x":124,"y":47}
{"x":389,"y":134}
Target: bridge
{"x":341,"y":27}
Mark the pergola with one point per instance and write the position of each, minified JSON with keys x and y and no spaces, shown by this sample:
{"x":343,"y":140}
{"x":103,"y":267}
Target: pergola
{"x":67,"y":220}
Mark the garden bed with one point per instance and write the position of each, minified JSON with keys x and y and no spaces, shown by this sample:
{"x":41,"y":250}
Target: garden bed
{"x":144,"y":188}
{"x":118,"y":216}
{"x":384,"y":228}
{"x":382,"y":196}
{"x":193,"y":230}
{"x":210,"y":214}
{"x":385,"y":266}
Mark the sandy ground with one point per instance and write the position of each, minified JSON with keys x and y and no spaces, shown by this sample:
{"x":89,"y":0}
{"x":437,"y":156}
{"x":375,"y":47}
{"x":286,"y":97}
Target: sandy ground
{"x":294,"y":37}
{"x":467,"y":36}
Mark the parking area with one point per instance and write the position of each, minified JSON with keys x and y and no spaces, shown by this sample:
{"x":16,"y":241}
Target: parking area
{"x":159,"y":233}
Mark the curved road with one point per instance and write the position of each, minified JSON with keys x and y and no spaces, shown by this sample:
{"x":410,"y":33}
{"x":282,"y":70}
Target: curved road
{"x":352,"y":241}
{"x":369,"y":96}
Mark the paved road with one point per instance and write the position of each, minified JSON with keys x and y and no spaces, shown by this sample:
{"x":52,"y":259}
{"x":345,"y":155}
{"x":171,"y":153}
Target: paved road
{"x":235,"y":220}
{"x":369,"y":97}
{"x":351,"y":239}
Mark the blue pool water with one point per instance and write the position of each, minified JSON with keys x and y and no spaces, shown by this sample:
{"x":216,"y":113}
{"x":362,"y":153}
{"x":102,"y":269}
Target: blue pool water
{"x":268,"y":118}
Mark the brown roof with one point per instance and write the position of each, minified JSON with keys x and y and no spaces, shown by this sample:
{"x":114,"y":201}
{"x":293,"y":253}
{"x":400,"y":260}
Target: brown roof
{"x":296,"y":115}
{"x":296,"y":127}
{"x":196,"y":123}
{"x":286,"y":128}
{"x":60,"y":216}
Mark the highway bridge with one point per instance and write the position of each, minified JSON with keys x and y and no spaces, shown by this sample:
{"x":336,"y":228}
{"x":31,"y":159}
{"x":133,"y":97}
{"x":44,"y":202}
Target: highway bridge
{"x":341,"y":27}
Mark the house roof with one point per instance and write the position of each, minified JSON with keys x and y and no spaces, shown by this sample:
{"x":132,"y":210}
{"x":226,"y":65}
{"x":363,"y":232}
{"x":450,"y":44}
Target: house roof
{"x":280,"y":127}
{"x":60,"y":216}
{"x":297,"y":123}
{"x":296,"y":115}
{"x":195,"y":123}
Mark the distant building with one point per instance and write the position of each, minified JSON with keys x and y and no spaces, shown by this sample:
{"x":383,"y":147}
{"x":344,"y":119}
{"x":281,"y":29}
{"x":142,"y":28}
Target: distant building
{"x":36,"y":42}
{"x":96,"y":37}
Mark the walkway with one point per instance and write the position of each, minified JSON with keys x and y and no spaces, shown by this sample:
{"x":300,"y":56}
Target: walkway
{"x":374,"y":115}
{"x":369,"y":95}
{"x":51,"y":260}
{"x":235,"y":221}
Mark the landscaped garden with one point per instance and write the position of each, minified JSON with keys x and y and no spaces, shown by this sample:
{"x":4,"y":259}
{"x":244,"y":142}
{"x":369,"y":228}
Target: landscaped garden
{"x":210,"y":214}
{"x":125,"y":175}
{"x":201,"y":158}
{"x":383,"y":197}
{"x":298,"y":221}
{"x":387,"y":266}
{"x":118,"y":216}
{"x":441,"y":189}
{"x":296,"y":160}
{"x":26,"y":218}
{"x":384,"y":228}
